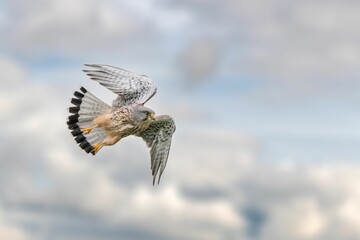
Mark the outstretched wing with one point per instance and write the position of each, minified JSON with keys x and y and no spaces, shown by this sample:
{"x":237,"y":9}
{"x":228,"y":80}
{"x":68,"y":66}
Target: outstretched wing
{"x":158,"y":137}
{"x":130,"y":87}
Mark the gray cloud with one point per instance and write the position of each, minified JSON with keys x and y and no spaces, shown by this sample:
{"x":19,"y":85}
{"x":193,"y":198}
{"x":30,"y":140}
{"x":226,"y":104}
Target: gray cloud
{"x":298,"y":46}
{"x":199,"y":59}
{"x":304,"y":46}
{"x":66,"y":27}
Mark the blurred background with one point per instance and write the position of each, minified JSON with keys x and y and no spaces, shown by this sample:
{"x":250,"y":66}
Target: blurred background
{"x":265,"y":95}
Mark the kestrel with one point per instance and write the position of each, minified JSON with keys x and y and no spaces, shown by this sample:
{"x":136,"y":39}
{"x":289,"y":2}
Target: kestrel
{"x":95,"y":124}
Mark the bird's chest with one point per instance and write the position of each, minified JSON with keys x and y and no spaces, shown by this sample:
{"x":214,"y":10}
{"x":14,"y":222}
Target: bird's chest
{"x":120,"y":122}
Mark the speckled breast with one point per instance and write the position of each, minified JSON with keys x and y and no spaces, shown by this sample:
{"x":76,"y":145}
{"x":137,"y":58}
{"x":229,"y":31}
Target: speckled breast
{"x":120,"y":123}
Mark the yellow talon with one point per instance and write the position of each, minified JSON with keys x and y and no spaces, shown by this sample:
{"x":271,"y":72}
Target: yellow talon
{"x":86,"y":130}
{"x":96,"y":148}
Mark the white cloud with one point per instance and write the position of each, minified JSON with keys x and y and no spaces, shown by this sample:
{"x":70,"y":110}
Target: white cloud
{"x":297,"y":219}
{"x":13,"y":75}
{"x":11,"y":232}
{"x":343,"y":194}
{"x":203,"y":220}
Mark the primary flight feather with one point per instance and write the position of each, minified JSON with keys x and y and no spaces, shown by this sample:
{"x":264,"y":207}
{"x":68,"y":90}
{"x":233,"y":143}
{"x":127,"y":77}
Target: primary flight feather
{"x":95,"y":124}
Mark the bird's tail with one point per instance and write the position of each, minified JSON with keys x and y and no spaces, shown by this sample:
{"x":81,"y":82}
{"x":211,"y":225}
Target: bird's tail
{"x":86,"y":107}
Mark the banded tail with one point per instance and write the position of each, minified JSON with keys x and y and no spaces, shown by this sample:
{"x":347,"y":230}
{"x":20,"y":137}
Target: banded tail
{"x":86,"y":107}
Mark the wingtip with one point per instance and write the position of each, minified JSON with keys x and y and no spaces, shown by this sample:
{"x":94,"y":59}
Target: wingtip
{"x":93,"y":65}
{"x":90,"y":66}
{"x":154,"y":180}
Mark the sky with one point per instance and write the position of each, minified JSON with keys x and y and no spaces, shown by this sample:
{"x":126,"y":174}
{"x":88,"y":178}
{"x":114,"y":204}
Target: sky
{"x":265,"y":99}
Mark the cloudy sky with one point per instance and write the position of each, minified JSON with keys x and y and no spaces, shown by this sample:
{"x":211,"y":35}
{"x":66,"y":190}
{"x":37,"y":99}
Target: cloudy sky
{"x":265,"y":95}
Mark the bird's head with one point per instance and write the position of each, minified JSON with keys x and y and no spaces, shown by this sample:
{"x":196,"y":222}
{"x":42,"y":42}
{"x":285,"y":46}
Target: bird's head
{"x":141,"y":114}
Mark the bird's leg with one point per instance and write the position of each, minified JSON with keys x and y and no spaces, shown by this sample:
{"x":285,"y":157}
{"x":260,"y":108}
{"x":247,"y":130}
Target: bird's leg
{"x":111,"y":140}
{"x":86,"y":130}
{"x":108,"y":141}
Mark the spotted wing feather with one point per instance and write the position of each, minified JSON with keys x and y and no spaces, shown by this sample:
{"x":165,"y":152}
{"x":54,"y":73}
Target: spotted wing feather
{"x":158,"y":138}
{"x":130,"y":87}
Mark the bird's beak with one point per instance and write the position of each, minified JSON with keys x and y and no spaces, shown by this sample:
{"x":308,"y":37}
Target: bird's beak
{"x":152,"y":116}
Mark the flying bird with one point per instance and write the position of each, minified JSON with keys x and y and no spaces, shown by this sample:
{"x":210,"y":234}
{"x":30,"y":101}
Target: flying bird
{"x":95,"y":124}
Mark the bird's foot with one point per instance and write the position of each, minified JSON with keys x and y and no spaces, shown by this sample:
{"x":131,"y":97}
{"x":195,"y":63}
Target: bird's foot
{"x":96,"y":147}
{"x":86,"y":130}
